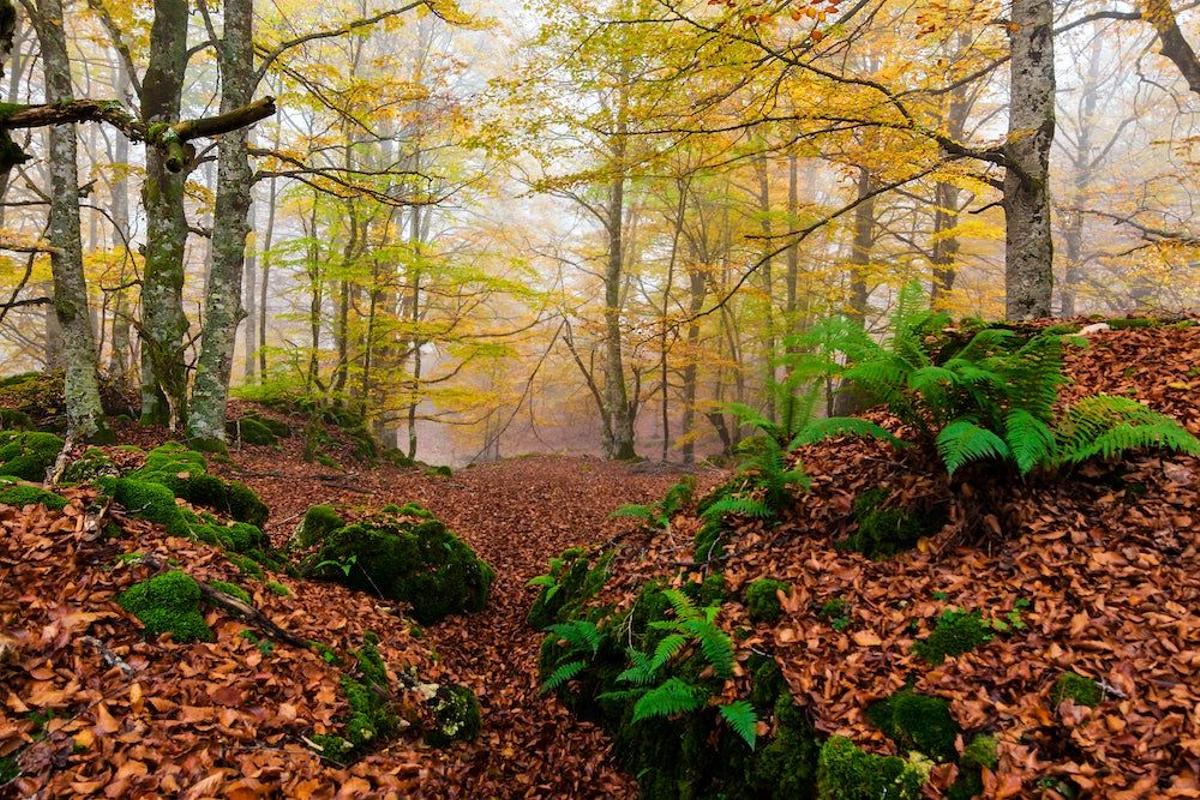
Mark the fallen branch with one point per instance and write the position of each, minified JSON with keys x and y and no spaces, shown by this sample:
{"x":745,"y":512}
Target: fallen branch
{"x":110,"y":658}
{"x":251,"y":615}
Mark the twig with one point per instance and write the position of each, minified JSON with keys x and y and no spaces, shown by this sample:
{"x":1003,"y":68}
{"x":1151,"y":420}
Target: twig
{"x":109,"y":657}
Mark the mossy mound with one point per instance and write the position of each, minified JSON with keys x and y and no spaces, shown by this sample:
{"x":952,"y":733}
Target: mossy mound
{"x":883,"y":532}
{"x":917,"y":722}
{"x":251,"y":430}
{"x":168,"y":603}
{"x":319,"y":521}
{"x":956,"y":632}
{"x":1080,"y":690}
{"x":28,"y":454}
{"x":573,"y":578}
{"x":31,"y":495}
{"x":762,"y":599}
{"x":36,"y":399}
{"x":232,"y":589}
{"x":456,"y":716}
{"x":152,"y":501}
{"x":185,"y":473}
{"x":846,"y":772}
{"x":93,"y":463}
{"x":979,"y":755}
{"x":371,"y":719}
{"x":412,"y":559}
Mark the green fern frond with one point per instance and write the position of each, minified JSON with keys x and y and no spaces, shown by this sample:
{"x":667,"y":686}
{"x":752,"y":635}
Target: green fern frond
{"x":673,"y":696}
{"x":667,"y":649}
{"x":739,"y":507}
{"x":742,"y":719}
{"x":580,"y":634}
{"x":1030,"y":441}
{"x":563,"y":674}
{"x":682,"y":604}
{"x":714,"y":643}
{"x":963,"y":441}
{"x":644,"y":513}
{"x":642,"y":672}
{"x":1107,"y":426}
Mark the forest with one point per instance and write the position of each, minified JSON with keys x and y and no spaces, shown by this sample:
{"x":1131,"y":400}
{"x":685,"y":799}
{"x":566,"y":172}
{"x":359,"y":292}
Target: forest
{"x":599,"y":398}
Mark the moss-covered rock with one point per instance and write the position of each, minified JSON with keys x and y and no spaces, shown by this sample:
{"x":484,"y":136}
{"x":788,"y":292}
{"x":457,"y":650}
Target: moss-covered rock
{"x":152,"y":501}
{"x":93,"y":463}
{"x":573,"y":578}
{"x":251,"y":430}
{"x":185,"y":473}
{"x":168,"y":603}
{"x":917,"y":722}
{"x":319,"y":521}
{"x":786,"y":766}
{"x":418,"y":561}
{"x":762,"y":599}
{"x":371,"y":719}
{"x":956,"y":632}
{"x":28,"y":454}
{"x":1081,"y":690}
{"x":883,"y":531}
{"x":456,"y":716}
{"x":31,"y":495}
{"x":846,"y":772}
{"x":835,"y":611}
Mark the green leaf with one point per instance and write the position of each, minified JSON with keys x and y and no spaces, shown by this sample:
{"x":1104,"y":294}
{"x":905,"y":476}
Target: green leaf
{"x":962,"y":441}
{"x":742,"y":719}
{"x":563,"y":674}
{"x":673,"y":696}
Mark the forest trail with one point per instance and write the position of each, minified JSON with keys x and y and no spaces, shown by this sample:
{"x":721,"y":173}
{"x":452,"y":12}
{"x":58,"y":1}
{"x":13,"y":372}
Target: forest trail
{"x":517,"y":514}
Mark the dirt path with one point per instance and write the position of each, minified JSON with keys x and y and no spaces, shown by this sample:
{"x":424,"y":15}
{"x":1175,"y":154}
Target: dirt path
{"x":516,"y":514}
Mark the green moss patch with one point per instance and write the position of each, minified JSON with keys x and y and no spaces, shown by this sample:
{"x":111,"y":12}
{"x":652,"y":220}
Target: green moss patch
{"x":884,"y":531}
{"x":418,"y":561}
{"x":232,"y":589}
{"x":1082,"y":691}
{"x":456,"y":716}
{"x":184,"y":472}
{"x":573,"y":579}
{"x":31,"y":495}
{"x":846,"y":772}
{"x":28,"y":454}
{"x":979,"y":755}
{"x":168,"y":603}
{"x":917,"y":722}
{"x":371,"y":720}
{"x":762,"y":599}
{"x":251,"y":430}
{"x":956,"y":632}
{"x":93,"y":463}
{"x":319,"y":521}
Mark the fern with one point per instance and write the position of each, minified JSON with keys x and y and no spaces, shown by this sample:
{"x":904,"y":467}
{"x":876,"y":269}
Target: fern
{"x":830,"y":427}
{"x":672,"y":696}
{"x":564,"y":673}
{"x":963,"y":441}
{"x":1107,"y":426}
{"x":580,"y":634}
{"x":742,"y":719}
{"x":737,"y":506}
{"x":1030,"y":440}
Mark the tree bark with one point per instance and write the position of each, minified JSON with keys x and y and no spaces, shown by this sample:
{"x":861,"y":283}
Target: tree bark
{"x":85,"y":416}
{"x":1029,"y":249}
{"x":164,"y":376}
{"x":768,"y":281}
{"x":1082,"y":179}
{"x":620,"y":445}
{"x":946,"y":194}
{"x":223,"y":302}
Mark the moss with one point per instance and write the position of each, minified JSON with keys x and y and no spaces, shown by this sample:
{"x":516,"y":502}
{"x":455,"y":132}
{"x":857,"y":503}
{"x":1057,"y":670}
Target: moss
{"x":244,"y":505}
{"x":1062,"y":329}
{"x":371,"y":718}
{"x":168,"y":603}
{"x":251,"y":431}
{"x":31,"y":495}
{"x":28,"y":454}
{"x":762,"y":599}
{"x":246,"y":566}
{"x":884,"y":532}
{"x":12,"y":419}
{"x":917,"y":722}
{"x":571,"y":581}
{"x":91,"y":464}
{"x":397,"y":458}
{"x":277,"y":588}
{"x":709,"y":592}
{"x":846,"y":772}
{"x":836,"y":612}
{"x":980,"y":754}
{"x":787,"y":765}
{"x":456,"y":716}
{"x":956,"y":632}
{"x":1082,"y":691}
{"x":152,"y":501}
{"x":422,"y":563}
{"x":439,"y":472}
{"x":766,"y":681}
{"x":1125,"y":323}
{"x":319,"y":521}
{"x":10,"y":770}
{"x":233,"y":590}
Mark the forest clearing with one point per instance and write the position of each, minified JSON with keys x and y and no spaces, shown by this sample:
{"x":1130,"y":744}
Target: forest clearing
{"x":671,"y":399}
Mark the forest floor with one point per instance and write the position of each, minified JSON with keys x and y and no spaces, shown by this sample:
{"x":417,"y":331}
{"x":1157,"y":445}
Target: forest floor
{"x":92,"y":736}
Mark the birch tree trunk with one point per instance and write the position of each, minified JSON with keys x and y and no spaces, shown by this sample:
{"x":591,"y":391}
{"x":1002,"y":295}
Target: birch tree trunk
{"x":223,"y":301}
{"x":1029,"y":250}
{"x":164,"y":376}
{"x":85,"y":417}
{"x":616,"y":398}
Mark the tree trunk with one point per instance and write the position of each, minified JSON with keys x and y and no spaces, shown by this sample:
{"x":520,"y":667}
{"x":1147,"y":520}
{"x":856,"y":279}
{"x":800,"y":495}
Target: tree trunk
{"x":250,"y":294}
{"x":616,"y":398}
{"x":164,"y":375}
{"x":1082,"y":179}
{"x":1029,"y":250}
{"x":697,"y":284}
{"x":85,"y":417}
{"x":119,"y":364}
{"x":223,"y":302}
{"x":946,"y":196}
{"x":268,"y":241}
{"x":764,"y":210}
{"x":848,"y":400}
